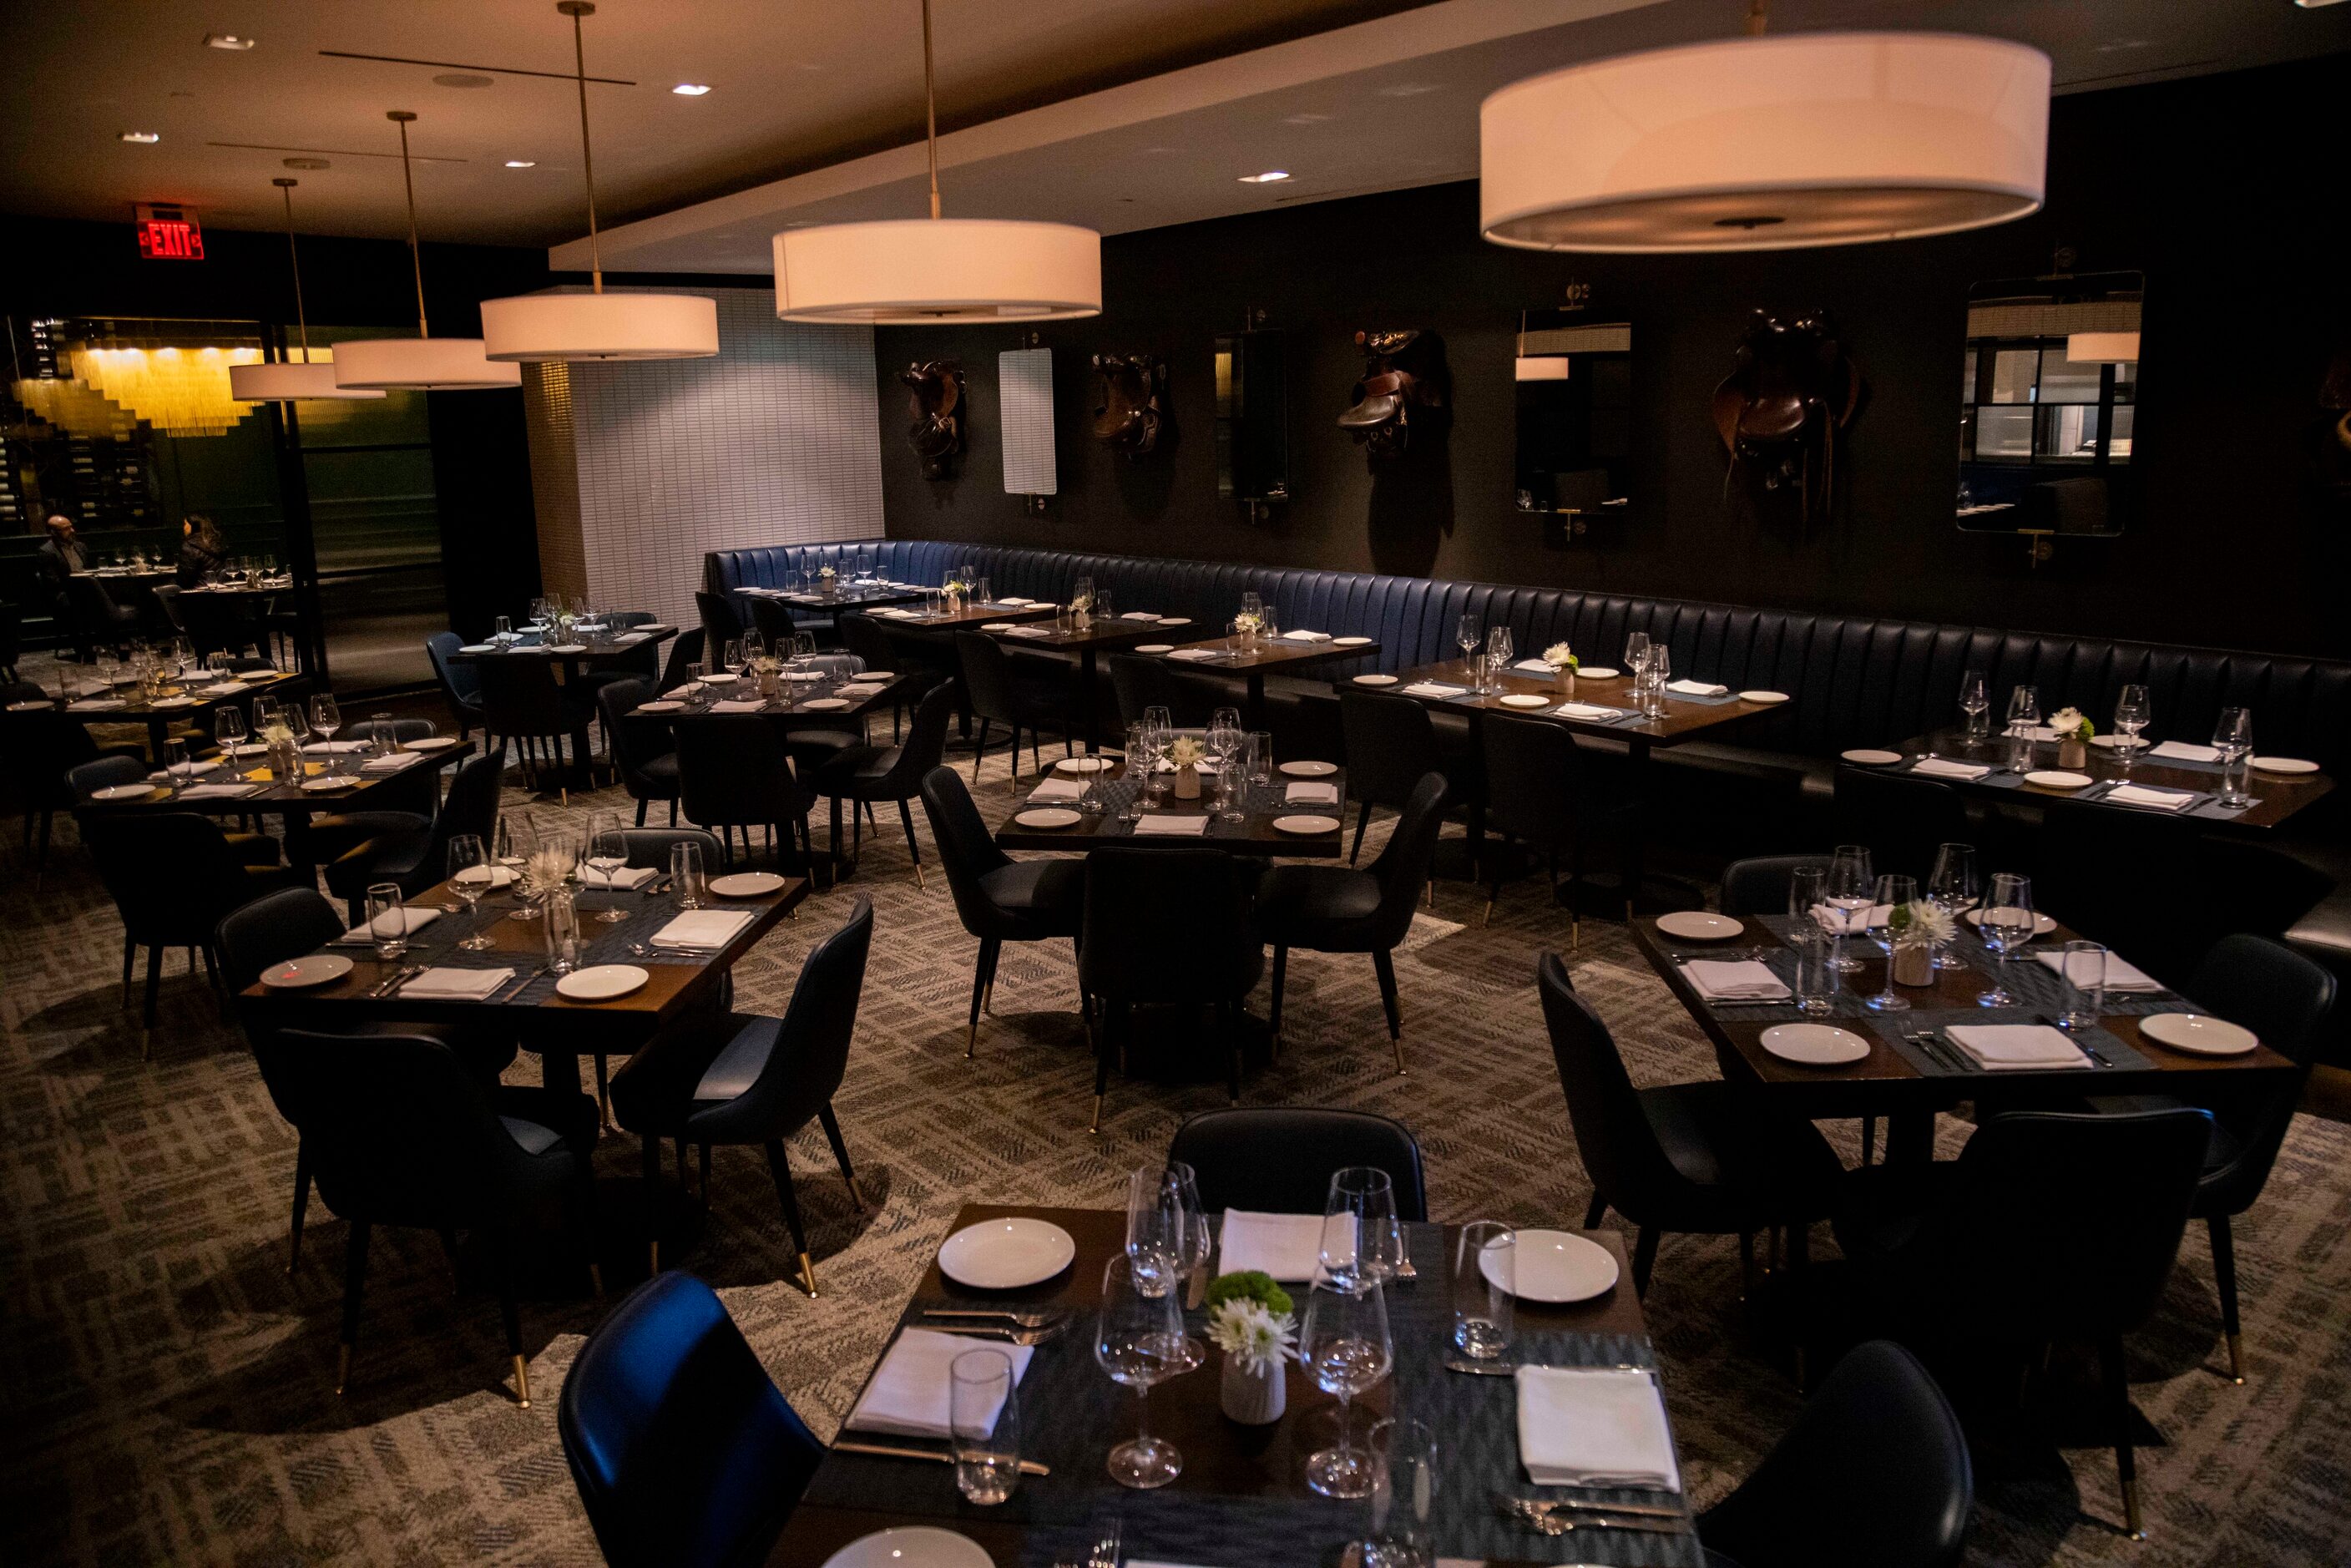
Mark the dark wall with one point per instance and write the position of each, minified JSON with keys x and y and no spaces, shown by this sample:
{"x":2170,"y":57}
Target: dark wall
{"x":2210,"y":186}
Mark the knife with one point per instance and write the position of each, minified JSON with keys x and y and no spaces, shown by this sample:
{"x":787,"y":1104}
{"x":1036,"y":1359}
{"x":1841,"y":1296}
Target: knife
{"x":886,"y":1451}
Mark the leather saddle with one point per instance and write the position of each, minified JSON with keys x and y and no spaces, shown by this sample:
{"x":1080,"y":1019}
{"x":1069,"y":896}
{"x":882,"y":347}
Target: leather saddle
{"x":937,"y":433}
{"x":1401,"y":371}
{"x":1793,"y":388}
{"x":1131,"y":410}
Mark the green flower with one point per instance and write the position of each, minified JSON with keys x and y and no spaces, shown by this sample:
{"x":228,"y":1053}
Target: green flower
{"x":1249,"y":1285}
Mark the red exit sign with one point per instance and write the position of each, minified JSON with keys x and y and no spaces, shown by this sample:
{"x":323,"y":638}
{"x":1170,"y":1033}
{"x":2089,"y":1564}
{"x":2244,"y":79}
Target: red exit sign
{"x":168,"y":234}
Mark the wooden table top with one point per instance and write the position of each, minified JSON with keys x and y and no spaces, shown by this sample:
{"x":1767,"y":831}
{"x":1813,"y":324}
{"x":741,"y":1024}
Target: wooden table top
{"x":1247,"y":1470}
{"x":841,"y":599}
{"x":2276,"y":796}
{"x":1115,"y":632}
{"x":640,"y":638}
{"x":1254,"y":835}
{"x":137,"y":709}
{"x":1270,"y":653}
{"x":792,"y":702}
{"x":1683,"y":719}
{"x":969,"y":616}
{"x":277,"y":795}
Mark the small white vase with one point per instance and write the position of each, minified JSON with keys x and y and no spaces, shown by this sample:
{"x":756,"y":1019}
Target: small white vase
{"x":1253,"y":1398}
{"x":1187,"y":783}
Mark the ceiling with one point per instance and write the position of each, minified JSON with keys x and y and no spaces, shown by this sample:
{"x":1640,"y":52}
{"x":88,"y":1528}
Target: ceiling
{"x":1120,"y":114}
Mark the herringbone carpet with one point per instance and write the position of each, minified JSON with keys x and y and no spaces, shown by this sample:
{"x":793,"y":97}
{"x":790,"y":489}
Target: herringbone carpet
{"x":167,"y":1387}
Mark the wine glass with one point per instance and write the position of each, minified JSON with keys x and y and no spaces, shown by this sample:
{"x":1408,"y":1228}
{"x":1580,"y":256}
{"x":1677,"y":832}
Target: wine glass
{"x":1636,"y":651}
{"x":1887,"y":917}
{"x":607,"y":853}
{"x":325,"y":719}
{"x":2132,"y":712}
{"x":511,"y":847}
{"x":2232,"y":738}
{"x":1199,"y":1236}
{"x":753,"y":646}
{"x":1497,"y":657}
{"x":228,"y":731}
{"x":1468,"y":633}
{"x":1953,"y":887}
{"x":470,"y":878}
{"x":730,"y":656}
{"x":1345,"y":1347}
{"x":1157,"y":1247}
{"x":2006,"y":926}
{"x":1975,"y":704}
{"x":1362,"y":1244}
{"x":1139,"y":1342}
{"x":1850,"y":890}
{"x":2023,"y":709}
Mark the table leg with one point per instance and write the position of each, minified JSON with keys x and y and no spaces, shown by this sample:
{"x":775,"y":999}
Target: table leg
{"x":158,"y":727}
{"x":1636,"y":837}
{"x":1257,"y":699}
{"x":1089,"y":678}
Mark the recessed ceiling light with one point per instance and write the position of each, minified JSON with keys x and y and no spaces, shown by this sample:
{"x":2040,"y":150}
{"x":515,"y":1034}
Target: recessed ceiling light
{"x":142,"y":137}
{"x":520,"y":163}
{"x":235,"y":43}
{"x":690,"y":89}
{"x":307,"y":164}
{"x":1268,"y":178}
{"x":463,"y":78}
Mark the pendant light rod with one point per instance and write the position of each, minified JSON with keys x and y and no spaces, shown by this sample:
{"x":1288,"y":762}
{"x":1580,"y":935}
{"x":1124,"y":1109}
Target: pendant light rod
{"x":930,"y":109}
{"x":293,"y":263}
{"x":576,"y":9}
{"x":400,"y":117}
{"x":1759,"y":17}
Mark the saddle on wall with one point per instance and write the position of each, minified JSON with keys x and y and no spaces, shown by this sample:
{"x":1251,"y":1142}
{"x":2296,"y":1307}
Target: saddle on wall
{"x":1403,"y":371}
{"x":1131,"y":409}
{"x":938,"y":433}
{"x":1780,"y":410}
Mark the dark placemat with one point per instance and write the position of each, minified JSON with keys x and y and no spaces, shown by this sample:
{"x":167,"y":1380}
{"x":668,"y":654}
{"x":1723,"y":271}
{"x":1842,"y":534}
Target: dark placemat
{"x":2105,"y":787}
{"x":1944,"y":1059}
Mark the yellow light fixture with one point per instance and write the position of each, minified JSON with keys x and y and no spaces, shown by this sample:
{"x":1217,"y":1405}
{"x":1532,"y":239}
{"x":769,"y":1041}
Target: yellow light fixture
{"x":181,"y":392}
{"x":1774,"y":143}
{"x":425,"y":362}
{"x":915,"y":272}
{"x":308,"y":379}
{"x":2101,"y":347}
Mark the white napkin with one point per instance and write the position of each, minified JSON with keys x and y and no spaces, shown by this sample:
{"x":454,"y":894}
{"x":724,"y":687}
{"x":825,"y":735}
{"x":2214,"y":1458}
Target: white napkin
{"x":1305,"y":637}
{"x":98,"y":704}
{"x":1595,"y":1427}
{"x":739,"y":705}
{"x":184,"y":770}
{"x":413,"y":918}
{"x":457,"y":984}
{"x":1015,"y":600}
{"x":625,"y":638}
{"x":1193,"y":654}
{"x":1058,"y":790}
{"x":2033,"y":732}
{"x":217,"y":791}
{"x":1588,"y":711}
{"x":2120,"y":976}
{"x":2160,"y":800}
{"x":629,"y":877}
{"x":1289,"y":1247}
{"x":1139,"y":615}
{"x":393,"y":763}
{"x":1031,"y":632}
{"x":1849,"y":922}
{"x":1172,"y":826}
{"x":1312,"y":795}
{"x":701,"y":929}
{"x":1433,"y":689}
{"x":859,"y":693}
{"x":2187,"y":751}
{"x":2007,"y":1047}
{"x":1944,"y":768}
{"x":337,"y":747}
{"x":1535,"y":667}
{"x":908,"y":1396}
{"x":897,"y":614}
{"x":1734,"y":980}
{"x":1698,"y":688}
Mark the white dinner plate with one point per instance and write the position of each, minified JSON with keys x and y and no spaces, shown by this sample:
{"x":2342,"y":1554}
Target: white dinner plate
{"x":431,"y":743}
{"x":301,"y":974}
{"x":1698,"y":925}
{"x":1080,"y":764}
{"x":496,"y":875}
{"x":2120,"y":742}
{"x":1766,"y":699}
{"x":2198,"y":1034}
{"x":34,"y":704}
{"x":480,"y":648}
{"x":1525,"y":699}
{"x":2051,"y":779}
{"x":1350,"y":642}
{"x":997,"y":626}
{"x":1555,"y":1266}
{"x":1814,"y":1044}
{"x":1375,"y":680}
{"x":1597,"y":673}
{"x":123,"y":792}
{"x":1306,"y":826}
{"x":912,"y":1546}
{"x":1155,"y":648}
{"x":2284,"y":765}
{"x":878,"y":676}
{"x":1175,"y":621}
{"x":1310,"y":769}
{"x":825,"y":704}
{"x":1871,"y":758}
{"x":172,"y":702}
{"x":569,"y":648}
{"x":601,"y":982}
{"x":665,"y":705}
{"x":718,"y":678}
{"x":747,"y":885}
{"x":327,"y":781}
{"x":1046,"y":817}
{"x":1005,"y":1254}
{"x":2042,"y":925}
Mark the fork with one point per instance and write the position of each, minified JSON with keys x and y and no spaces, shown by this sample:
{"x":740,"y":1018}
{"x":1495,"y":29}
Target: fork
{"x":1026,"y":1320}
{"x":392,"y":982}
{"x":1535,"y":1507}
{"x":1020,"y":1336}
{"x":1559,"y":1523}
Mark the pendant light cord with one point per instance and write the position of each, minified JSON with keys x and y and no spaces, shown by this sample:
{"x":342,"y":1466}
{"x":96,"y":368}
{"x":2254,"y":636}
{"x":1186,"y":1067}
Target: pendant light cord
{"x":294,"y":261}
{"x":587,"y":158}
{"x":930,"y":109}
{"x":401,"y":118}
{"x":1759,"y":16}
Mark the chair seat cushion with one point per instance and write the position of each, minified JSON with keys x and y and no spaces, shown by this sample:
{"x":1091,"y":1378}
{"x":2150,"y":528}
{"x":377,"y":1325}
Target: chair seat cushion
{"x":252,"y":849}
{"x":539,"y":1119}
{"x":661,"y":769}
{"x":529,"y":1136}
{"x":1308,"y":905}
{"x":1048,"y":894}
{"x":1742,"y":1166}
{"x":852,"y":766}
{"x":738,"y":1063}
{"x":815,"y":748}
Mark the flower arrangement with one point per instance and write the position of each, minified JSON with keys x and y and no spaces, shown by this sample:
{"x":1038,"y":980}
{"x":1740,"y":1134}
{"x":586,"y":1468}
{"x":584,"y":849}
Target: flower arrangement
{"x":955,"y":586}
{"x":276,"y":732}
{"x":1082,"y":604}
{"x":1248,"y":621}
{"x":547,"y":868}
{"x":1920,"y":923}
{"x":2071,"y":724}
{"x":1558,"y":657}
{"x":826,"y":574}
{"x":1250,"y":1320}
{"x":1186,"y":751}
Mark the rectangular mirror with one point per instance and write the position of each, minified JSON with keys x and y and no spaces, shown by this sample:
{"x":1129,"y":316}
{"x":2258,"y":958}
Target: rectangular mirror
{"x":1575,"y":416}
{"x":1252,"y":418}
{"x":2048,"y":396}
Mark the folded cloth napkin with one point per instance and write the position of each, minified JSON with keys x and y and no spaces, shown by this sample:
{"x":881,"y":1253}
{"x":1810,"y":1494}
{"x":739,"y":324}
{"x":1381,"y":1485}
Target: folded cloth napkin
{"x":1015,"y":600}
{"x":1698,"y":688}
{"x":702,"y":928}
{"x":337,"y":747}
{"x":1171,"y":826}
{"x":739,"y":705}
{"x":1944,"y":768}
{"x":1590,"y":711}
{"x":184,"y":770}
{"x":1139,"y":615}
{"x":217,"y":791}
{"x":2158,"y":799}
{"x":1058,"y":790}
{"x":625,"y":638}
{"x":1734,"y":980}
{"x":1433,"y":689}
{"x":413,"y":918}
{"x":2187,"y":751}
{"x":1534,"y":666}
{"x":1287,"y":1246}
{"x":2008,"y":1047}
{"x":1031,"y":632}
{"x":2121,"y":976}
{"x":1595,"y":1427}
{"x":1306,"y":636}
{"x":907,"y":1396}
{"x":629,"y":877}
{"x":457,"y":984}
{"x":859,"y":692}
{"x":896,"y":614}
{"x":1849,"y":922}
{"x":392,"y":763}
{"x":1193,"y":654}
{"x":1312,"y":795}
{"x":98,"y":705}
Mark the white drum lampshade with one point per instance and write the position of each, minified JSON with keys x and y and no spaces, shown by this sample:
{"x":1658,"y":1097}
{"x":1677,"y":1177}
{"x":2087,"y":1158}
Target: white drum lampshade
{"x":924,"y":271}
{"x":1768,"y":144}
{"x":420,"y":364}
{"x":568,"y":324}
{"x":292,"y":382}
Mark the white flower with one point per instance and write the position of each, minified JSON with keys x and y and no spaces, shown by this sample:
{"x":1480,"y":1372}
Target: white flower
{"x":1260,"y":1339}
{"x":1928,"y":924}
{"x":1185,"y":750}
{"x":2068,"y":721}
{"x":1081,"y":603}
{"x":1245,"y":622}
{"x":827,"y":572}
{"x":1558,"y":656}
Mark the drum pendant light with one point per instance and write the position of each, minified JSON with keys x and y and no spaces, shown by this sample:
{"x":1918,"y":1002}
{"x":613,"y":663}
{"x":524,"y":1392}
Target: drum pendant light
{"x":309,"y":380}
{"x":565,"y":324}
{"x":425,"y":362}
{"x":1768,"y":144}
{"x":915,"y":271}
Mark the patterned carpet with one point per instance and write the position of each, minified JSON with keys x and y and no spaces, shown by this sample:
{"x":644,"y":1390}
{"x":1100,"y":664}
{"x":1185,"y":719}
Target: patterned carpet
{"x":167,"y":1387}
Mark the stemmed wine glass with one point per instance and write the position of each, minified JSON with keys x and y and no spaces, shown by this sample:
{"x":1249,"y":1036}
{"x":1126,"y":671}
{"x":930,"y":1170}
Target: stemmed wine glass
{"x":2132,"y":712}
{"x":1139,"y":1341}
{"x":1158,"y":1247}
{"x":2023,"y":709}
{"x":1362,"y":1244}
{"x":470,"y":878}
{"x":1158,"y":734}
{"x":607,"y":853}
{"x":1468,"y":633}
{"x":228,"y":731}
{"x":2006,"y":926}
{"x":1953,"y":887}
{"x":1895,"y":895}
{"x":1226,"y":740}
{"x":1497,"y":659}
{"x":1975,"y":704}
{"x":1636,"y":652}
{"x":511,"y":847}
{"x":1849,"y":892}
{"x":325,"y":719}
{"x":1345,"y":1346}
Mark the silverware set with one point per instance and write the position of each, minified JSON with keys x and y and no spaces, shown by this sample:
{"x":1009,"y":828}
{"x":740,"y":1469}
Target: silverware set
{"x":893,"y":1451}
{"x":1023,"y":1328}
{"x":393,"y":981}
{"x":1566,"y":1515}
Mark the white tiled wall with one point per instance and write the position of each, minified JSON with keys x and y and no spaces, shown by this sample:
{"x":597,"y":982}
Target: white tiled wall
{"x":773,"y":442}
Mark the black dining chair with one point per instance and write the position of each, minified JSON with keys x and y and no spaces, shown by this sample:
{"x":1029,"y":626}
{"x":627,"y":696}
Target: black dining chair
{"x":400,"y":1133}
{"x":863,"y":637}
{"x":103,"y":621}
{"x":774,"y":622}
{"x":1877,"y":1450}
{"x":42,"y":748}
{"x":997,"y":898}
{"x":744,"y":1080}
{"x":1279,"y":1159}
{"x":88,"y":779}
{"x":735,"y":772}
{"x":1337,"y":909}
{"x":460,"y":687}
{"x":1165,"y":928}
{"x":414,"y":854}
{"x":1759,"y":884}
{"x":864,"y":775}
{"x":2050,"y":1226}
{"x":1902,"y":820}
{"x":685,"y":651}
{"x":1545,"y":791}
{"x":720,"y":624}
{"x":1391,"y":742}
{"x":997,"y":695}
{"x":1701,"y":1158}
{"x":523,"y":701}
{"x":644,"y":753}
{"x":1140,"y":683}
{"x":684,"y":1454}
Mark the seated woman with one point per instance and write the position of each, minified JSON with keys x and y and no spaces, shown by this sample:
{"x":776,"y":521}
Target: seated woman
{"x":202,"y":550}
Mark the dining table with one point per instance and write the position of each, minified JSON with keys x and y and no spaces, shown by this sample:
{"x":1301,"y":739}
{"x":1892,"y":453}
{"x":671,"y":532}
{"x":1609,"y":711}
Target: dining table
{"x":1241,"y":1499}
{"x":1085,"y":639}
{"x":848,"y":596}
{"x":1074,"y":826}
{"x":1252,"y":658}
{"x":185,"y":701}
{"x":2179,"y":770}
{"x":598,"y":647}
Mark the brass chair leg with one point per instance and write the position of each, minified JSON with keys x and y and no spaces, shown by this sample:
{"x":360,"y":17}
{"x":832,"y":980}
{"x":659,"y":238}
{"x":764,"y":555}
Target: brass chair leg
{"x":343,"y":1368}
{"x":2237,"y":1358}
{"x":1398,"y":1044}
{"x":921,"y":882}
{"x":807,"y":1275}
{"x":1575,"y":933}
{"x":987,"y":998}
{"x":2134,"y":1525}
{"x":1095,"y":1125}
{"x":1489,"y":919}
{"x":596,"y":1278}
{"x":522,"y":1383}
